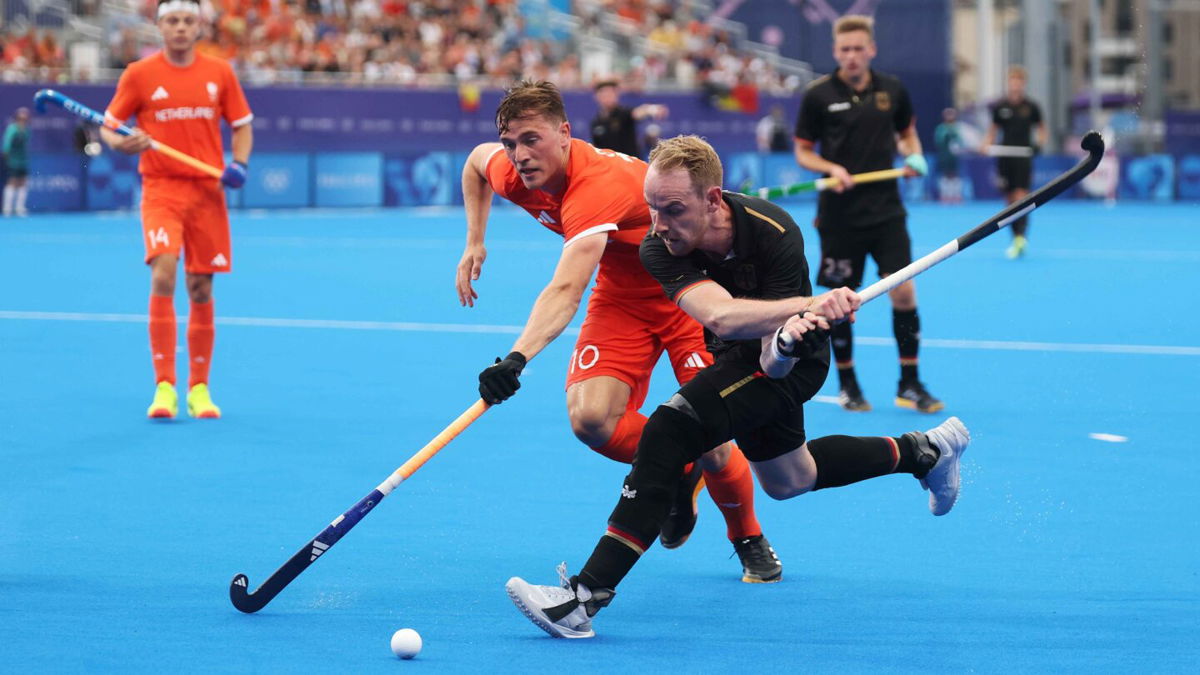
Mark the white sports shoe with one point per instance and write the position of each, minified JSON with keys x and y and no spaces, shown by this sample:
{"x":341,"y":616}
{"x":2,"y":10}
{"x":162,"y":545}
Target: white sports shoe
{"x":950,"y":438}
{"x":561,"y":611}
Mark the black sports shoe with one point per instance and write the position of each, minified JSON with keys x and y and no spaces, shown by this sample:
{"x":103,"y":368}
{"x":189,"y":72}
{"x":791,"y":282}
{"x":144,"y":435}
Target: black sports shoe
{"x":912,"y":395}
{"x":682,"y":519}
{"x":851,"y":398}
{"x":760,"y":565}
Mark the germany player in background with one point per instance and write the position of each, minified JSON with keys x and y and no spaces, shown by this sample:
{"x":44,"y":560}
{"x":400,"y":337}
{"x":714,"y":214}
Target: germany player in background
{"x":592,"y":198}
{"x":179,"y":97}
{"x":736,"y":264}
{"x":860,"y":118}
{"x":1014,"y":119}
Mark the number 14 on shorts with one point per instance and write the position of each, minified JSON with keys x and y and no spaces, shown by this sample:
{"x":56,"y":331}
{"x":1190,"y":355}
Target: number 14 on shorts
{"x":158,"y":237}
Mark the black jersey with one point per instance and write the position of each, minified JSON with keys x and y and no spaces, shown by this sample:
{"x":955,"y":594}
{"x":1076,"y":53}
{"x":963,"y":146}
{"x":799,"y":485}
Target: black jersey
{"x":858,"y":131}
{"x":616,"y":130}
{"x":1016,"y":121}
{"x":767,"y":261}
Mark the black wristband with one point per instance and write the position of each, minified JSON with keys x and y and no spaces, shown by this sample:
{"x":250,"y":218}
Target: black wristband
{"x":518,"y":357}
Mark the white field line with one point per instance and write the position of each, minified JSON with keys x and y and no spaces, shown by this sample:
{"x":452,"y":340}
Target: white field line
{"x":420,"y":327}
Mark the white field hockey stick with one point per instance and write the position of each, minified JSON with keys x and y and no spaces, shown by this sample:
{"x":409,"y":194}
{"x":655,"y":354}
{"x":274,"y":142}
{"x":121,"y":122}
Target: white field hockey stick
{"x":1092,"y":143}
{"x":1008,"y":151}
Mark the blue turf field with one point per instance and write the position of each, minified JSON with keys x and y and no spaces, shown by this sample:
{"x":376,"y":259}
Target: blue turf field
{"x":341,"y":350}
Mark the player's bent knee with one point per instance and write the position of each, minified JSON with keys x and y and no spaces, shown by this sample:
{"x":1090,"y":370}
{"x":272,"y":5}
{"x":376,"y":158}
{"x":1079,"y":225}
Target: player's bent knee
{"x":715,"y":460}
{"x":669,"y":441}
{"x":782,"y":491}
{"x":591,"y":427}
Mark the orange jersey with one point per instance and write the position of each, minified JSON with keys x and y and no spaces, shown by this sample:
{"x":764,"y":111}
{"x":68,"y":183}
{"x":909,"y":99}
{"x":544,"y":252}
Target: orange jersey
{"x":182,"y":107}
{"x":603,"y":194}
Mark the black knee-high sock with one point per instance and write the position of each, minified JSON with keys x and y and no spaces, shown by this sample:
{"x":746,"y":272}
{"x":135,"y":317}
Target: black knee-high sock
{"x":842,"y":338}
{"x":669,"y":441}
{"x":1020,"y":226}
{"x":842,"y":460}
{"x":907,"y":327}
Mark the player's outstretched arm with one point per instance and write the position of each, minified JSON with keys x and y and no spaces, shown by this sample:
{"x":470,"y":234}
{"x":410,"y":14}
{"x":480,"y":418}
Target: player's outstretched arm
{"x":477,"y":198}
{"x":552,"y":311}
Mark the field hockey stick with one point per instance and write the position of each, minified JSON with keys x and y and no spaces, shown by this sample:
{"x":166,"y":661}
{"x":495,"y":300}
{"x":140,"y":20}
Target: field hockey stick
{"x":239,"y":588}
{"x":44,"y":96}
{"x":822,"y":184}
{"x":1092,"y":143}
{"x":1008,"y":151}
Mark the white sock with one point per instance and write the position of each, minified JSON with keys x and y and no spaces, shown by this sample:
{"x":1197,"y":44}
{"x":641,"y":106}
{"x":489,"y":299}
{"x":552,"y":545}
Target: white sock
{"x":9,"y":194}
{"x":22,"y":193}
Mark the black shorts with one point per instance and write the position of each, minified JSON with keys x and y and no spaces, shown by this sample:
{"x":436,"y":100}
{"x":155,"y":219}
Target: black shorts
{"x":1014,"y":173}
{"x":844,"y":251}
{"x":18,"y":173}
{"x":735,"y":400}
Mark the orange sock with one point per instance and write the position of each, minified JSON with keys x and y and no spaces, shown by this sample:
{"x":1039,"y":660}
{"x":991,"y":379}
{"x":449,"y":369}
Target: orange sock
{"x":162,"y":337}
{"x":732,"y":490}
{"x":622,"y":445}
{"x":200,"y":336}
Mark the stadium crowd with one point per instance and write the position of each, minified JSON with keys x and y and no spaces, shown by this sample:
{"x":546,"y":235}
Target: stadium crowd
{"x":434,"y":42}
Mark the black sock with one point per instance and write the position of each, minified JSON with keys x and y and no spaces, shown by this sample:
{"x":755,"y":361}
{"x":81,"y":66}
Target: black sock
{"x":669,"y":441}
{"x":842,"y":460}
{"x":909,"y":462}
{"x":843,"y":352}
{"x":907,"y":327}
{"x":610,"y":562}
{"x":1020,"y":226}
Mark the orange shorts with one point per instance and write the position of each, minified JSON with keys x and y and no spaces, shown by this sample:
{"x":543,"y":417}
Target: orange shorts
{"x":187,"y":213}
{"x":624,"y":337}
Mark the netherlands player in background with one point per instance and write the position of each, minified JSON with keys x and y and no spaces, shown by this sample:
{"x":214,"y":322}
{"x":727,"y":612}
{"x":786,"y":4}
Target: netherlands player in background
{"x":179,"y":97}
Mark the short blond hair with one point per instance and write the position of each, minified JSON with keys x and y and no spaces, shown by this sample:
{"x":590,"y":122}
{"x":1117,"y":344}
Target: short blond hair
{"x":853,"y":22}
{"x":1018,"y":72}
{"x":692,"y":154}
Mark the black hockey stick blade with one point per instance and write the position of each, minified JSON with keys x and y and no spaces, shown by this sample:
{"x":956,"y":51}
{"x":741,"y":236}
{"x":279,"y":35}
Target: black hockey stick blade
{"x":239,"y":588}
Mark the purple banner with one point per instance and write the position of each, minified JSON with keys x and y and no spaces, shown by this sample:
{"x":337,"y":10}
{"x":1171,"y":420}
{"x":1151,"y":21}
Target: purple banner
{"x":399,"y":121}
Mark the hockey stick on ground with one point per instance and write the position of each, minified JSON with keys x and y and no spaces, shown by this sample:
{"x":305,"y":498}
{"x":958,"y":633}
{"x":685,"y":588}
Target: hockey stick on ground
{"x":74,"y":107}
{"x":252,"y":602}
{"x":823,"y":184}
{"x":1092,"y":143}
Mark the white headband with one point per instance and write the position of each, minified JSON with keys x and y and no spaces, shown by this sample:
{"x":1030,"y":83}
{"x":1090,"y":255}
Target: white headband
{"x":178,"y":6}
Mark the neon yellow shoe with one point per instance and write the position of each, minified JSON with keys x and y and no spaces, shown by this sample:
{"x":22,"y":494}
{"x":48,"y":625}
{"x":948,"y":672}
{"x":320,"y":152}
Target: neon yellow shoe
{"x":166,"y":402}
{"x":1017,"y":249}
{"x":200,"y":403}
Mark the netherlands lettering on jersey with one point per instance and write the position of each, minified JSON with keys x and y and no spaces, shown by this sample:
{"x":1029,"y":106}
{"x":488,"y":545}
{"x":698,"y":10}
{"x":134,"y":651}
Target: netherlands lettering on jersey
{"x":185,"y":113}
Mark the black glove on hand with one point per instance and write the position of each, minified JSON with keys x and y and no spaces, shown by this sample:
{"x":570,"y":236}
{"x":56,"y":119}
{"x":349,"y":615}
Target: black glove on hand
{"x":810,"y":344}
{"x":498,"y":382}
